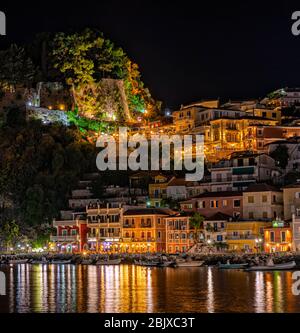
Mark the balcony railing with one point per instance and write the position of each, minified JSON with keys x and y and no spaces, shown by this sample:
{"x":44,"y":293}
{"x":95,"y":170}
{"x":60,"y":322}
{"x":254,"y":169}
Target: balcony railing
{"x":67,"y":223}
{"x":241,"y":237}
{"x":69,"y":238}
{"x":146,"y":240}
{"x":103,"y":236}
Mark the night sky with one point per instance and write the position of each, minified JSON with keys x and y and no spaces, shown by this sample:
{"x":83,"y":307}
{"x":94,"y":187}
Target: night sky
{"x":187,"y":50}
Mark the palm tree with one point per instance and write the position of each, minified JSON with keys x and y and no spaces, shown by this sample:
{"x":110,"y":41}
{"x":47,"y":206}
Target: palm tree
{"x":196,"y":221}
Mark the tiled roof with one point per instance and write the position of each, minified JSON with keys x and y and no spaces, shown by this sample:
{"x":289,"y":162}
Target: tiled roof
{"x":262,"y":188}
{"x":219,"y":194}
{"x":295,"y":185}
{"x":219,"y":217}
{"x":148,"y":211}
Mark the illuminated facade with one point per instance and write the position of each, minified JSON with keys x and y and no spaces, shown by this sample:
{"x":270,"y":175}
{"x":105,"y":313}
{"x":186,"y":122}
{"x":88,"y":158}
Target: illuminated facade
{"x":228,"y":135}
{"x":278,"y":238}
{"x":71,"y":233}
{"x":210,"y":203}
{"x":104,"y":223}
{"x":144,"y":230}
{"x":246,"y":236}
{"x":158,"y":190}
{"x":215,"y":228}
{"x":180,"y":236}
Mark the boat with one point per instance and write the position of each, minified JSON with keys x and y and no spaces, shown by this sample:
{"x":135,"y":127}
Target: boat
{"x":43,"y":261}
{"x":188,"y":263}
{"x":146,"y":263}
{"x":278,"y":267}
{"x":165,"y":263}
{"x":86,"y":261}
{"x":108,"y":262}
{"x":232,"y":266}
{"x":61,"y":262}
{"x":17,"y":261}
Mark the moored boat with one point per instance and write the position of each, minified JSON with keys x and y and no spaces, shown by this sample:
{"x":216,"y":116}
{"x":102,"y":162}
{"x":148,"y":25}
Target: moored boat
{"x":146,"y":263}
{"x":108,"y":262}
{"x":17,"y":261}
{"x":188,"y":263}
{"x":61,"y":262}
{"x":43,"y":261}
{"x":86,"y":261}
{"x":278,"y":267}
{"x":232,"y":266}
{"x":165,"y":263}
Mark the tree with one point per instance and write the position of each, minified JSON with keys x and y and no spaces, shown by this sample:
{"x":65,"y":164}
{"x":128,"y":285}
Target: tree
{"x":15,"y":68}
{"x":72,"y":56}
{"x":10,"y":233}
{"x":281,"y":156}
{"x":86,"y":58}
{"x":170,"y":203}
{"x":196,"y":221}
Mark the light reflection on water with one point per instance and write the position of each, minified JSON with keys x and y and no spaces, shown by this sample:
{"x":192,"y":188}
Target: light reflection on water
{"x":129,"y":288}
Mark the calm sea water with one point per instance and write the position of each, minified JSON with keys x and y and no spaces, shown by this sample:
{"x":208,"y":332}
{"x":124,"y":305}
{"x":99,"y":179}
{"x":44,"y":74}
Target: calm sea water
{"x":129,"y":288}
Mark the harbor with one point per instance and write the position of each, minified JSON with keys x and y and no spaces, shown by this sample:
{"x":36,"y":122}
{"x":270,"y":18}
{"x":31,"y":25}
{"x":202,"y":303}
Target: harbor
{"x":279,"y":261}
{"x":126,"y":288}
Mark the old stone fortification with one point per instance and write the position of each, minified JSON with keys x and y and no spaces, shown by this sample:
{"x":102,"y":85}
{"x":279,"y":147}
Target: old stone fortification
{"x":47,"y":116}
{"x":51,"y":95}
{"x":105,"y":100}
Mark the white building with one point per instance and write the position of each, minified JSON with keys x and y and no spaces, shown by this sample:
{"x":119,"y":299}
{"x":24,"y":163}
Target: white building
{"x":242,"y":170}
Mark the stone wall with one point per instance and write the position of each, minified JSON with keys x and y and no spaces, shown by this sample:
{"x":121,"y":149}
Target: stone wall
{"x":47,"y":116}
{"x":50,"y":95}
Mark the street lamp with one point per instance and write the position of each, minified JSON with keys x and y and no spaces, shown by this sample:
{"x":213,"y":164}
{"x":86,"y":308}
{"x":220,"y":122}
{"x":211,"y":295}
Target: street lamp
{"x":258,"y":242}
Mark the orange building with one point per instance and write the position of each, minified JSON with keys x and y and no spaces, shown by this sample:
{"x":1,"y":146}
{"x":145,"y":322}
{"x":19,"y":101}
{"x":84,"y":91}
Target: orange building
{"x":278,"y":238}
{"x":179,"y":234}
{"x":144,"y":230}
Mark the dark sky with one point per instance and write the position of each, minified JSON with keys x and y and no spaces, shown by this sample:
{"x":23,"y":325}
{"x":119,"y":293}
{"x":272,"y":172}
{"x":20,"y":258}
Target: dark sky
{"x":187,"y":50}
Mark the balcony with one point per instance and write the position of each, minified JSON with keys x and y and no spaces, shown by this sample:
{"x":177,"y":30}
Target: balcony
{"x":103,"y":225}
{"x":140,"y":240}
{"x":146,"y":225}
{"x":69,"y":238}
{"x":65,"y":223}
{"x":248,"y":170}
{"x":241,"y":237}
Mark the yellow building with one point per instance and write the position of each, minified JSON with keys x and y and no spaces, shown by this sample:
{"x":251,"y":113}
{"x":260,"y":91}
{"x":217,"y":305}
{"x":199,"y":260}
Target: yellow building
{"x":158,"y":190}
{"x":227,"y":135}
{"x":246,"y":236}
{"x":274,"y":114}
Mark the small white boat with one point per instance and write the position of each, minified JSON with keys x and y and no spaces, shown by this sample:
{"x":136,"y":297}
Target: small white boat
{"x":279,"y":267}
{"x":188,"y":263}
{"x":108,"y":262}
{"x":232,"y":266}
{"x":146,"y":263}
{"x":17,"y":261}
{"x":61,"y":262}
